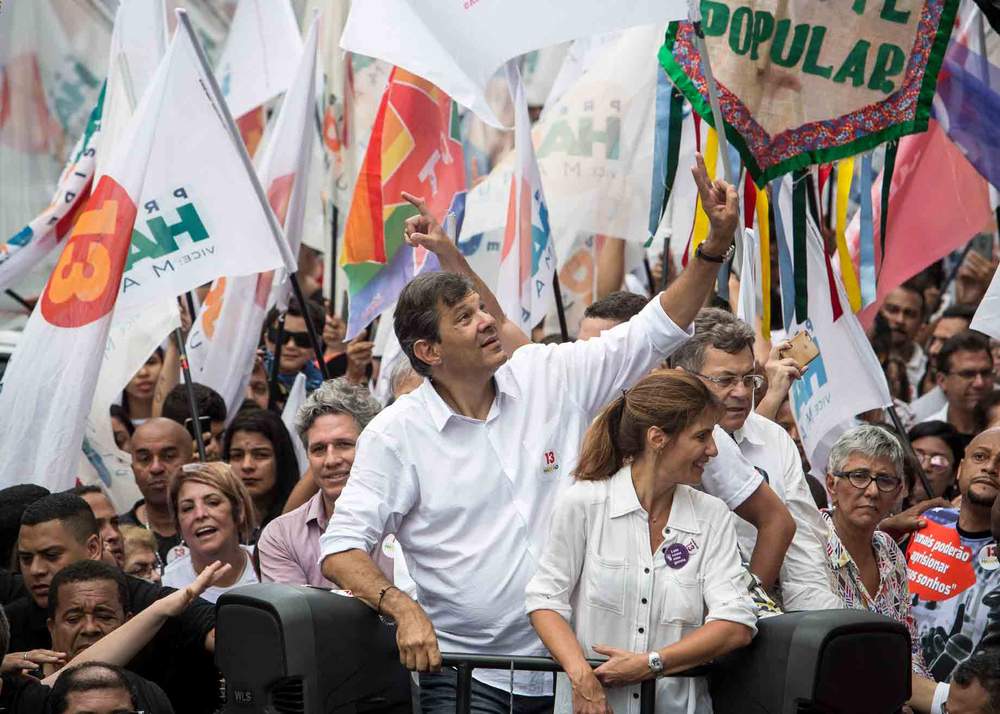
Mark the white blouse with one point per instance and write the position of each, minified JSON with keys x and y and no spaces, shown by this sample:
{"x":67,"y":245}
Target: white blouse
{"x":180,"y":573}
{"x":598,"y":573}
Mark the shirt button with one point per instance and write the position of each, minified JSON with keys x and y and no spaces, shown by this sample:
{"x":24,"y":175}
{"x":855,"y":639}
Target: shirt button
{"x":635,"y":695}
{"x":645,"y":570}
{"x":644,"y":601}
{"x":641,"y":630}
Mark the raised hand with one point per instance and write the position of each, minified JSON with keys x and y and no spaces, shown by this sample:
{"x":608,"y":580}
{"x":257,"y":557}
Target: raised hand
{"x":721,"y":204}
{"x":423,"y":230}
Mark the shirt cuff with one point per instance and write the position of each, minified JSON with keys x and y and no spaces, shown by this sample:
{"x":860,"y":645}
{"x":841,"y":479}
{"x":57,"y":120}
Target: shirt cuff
{"x":940,"y":697}
{"x":333,"y":543}
{"x":541,"y":602}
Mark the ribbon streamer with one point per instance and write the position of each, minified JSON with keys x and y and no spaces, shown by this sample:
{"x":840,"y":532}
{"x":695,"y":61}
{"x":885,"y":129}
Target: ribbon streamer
{"x":786,"y":272}
{"x":866,"y":235}
{"x":845,"y":174}
{"x":700,"y":217}
{"x":764,"y":233}
{"x":800,"y":188}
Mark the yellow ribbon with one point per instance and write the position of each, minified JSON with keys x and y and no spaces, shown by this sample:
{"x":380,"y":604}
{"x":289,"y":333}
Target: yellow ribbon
{"x":764,"y":235}
{"x":700,"y":217}
{"x":845,"y":174}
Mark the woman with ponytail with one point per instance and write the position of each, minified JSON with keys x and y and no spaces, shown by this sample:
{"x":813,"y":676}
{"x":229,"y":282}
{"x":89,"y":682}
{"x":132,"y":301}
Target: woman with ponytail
{"x":640,"y":566}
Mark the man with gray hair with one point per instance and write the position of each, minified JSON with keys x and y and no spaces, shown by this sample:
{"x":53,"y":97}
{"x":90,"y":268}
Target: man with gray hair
{"x":329,"y":423}
{"x":721,"y":354}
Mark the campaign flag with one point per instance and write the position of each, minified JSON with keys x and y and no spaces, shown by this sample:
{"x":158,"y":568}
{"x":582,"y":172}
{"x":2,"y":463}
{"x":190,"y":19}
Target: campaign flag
{"x":991,"y":11}
{"x":809,"y":82}
{"x":987,"y":317}
{"x":296,"y":398}
{"x":968,"y":97}
{"x":527,"y":257}
{"x":177,"y":149}
{"x":937,"y":203}
{"x":845,"y":379}
{"x":260,"y":55}
{"x":459,"y":46}
{"x":224,"y":337}
{"x":26,"y":248}
{"x":415,"y":147}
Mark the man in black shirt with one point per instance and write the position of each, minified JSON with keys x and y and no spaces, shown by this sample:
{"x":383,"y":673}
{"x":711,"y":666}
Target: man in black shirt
{"x":59,"y":530}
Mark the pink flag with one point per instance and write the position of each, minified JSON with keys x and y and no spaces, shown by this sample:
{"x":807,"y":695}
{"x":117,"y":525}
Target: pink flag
{"x":938,"y":202}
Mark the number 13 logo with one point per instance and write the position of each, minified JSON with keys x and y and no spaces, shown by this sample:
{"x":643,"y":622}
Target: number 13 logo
{"x":550,"y":461}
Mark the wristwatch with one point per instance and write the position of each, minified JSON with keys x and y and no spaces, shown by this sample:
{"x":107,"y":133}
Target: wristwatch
{"x":655,"y":663}
{"x":699,"y":253}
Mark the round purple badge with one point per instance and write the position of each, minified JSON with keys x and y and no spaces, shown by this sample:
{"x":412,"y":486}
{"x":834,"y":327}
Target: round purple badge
{"x":676,"y":556}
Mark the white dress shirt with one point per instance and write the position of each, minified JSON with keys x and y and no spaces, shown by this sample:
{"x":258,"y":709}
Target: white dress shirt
{"x":470,"y":500}
{"x":926,"y":405}
{"x":804,"y":578}
{"x":597,"y":571}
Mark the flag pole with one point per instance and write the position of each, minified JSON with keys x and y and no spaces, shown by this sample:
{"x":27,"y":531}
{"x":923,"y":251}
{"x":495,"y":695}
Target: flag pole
{"x":908,"y":448}
{"x":272,"y":378}
{"x":560,"y":308}
{"x":189,"y":389}
{"x":317,"y":344}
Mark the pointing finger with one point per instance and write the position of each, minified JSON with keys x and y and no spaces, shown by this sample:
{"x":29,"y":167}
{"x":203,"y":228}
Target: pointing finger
{"x":417,"y":203}
{"x":700,"y":173}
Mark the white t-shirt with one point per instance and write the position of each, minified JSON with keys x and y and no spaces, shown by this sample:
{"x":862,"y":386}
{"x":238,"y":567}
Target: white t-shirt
{"x":180,"y":573}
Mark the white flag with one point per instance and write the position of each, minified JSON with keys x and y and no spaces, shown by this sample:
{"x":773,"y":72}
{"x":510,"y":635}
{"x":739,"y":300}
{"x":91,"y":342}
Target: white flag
{"x":260,"y":54}
{"x":845,"y":379}
{"x":460,"y":45}
{"x":176,"y":147}
{"x":296,"y":398}
{"x":987,"y":317}
{"x":224,"y":338}
{"x":527,"y":258}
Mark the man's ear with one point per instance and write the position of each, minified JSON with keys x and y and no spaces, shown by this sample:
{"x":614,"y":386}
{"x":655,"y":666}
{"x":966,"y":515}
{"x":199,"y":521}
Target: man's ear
{"x":829,"y":489}
{"x":94,"y":547}
{"x":939,"y":378}
{"x":427,"y":352}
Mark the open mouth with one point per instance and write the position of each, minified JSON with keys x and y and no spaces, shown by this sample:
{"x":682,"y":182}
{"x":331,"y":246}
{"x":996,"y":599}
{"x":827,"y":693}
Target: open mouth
{"x":491,"y":341}
{"x":205,"y":532}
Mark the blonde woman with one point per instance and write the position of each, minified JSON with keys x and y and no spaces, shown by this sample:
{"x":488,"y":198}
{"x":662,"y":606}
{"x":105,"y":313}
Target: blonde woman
{"x":640,"y":566}
{"x":141,"y":558}
{"x":214,"y":514}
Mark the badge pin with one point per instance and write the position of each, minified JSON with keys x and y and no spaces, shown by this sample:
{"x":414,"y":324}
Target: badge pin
{"x":988,"y":557}
{"x":676,"y":556}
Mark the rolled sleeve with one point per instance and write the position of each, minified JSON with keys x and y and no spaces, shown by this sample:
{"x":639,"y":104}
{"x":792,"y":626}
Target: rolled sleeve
{"x":278,"y":562}
{"x":726,"y":595}
{"x":562,"y":560}
{"x":380,"y":491}
{"x":728,"y":475}
{"x":595,"y":370}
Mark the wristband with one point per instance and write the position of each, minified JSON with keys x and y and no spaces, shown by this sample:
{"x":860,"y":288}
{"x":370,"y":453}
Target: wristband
{"x":381,"y":595}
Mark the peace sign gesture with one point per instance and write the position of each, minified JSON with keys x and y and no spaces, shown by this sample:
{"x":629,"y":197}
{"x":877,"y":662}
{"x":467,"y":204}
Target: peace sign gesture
{"x":721,"y":203}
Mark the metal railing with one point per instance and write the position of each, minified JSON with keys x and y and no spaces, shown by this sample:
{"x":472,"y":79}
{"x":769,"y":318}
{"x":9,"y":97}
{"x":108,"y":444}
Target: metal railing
{"x":465,"y":663}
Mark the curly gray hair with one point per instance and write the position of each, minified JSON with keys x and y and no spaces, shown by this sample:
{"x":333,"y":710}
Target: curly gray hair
{"x":868,"y":440}
{"x":716,"y":328}
{"x":336,"y":396}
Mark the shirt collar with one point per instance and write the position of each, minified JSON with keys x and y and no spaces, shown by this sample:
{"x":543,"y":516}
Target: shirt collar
{"x":440,"y":411}
{"x":316,"y":512}
{"x":750,"y":432}
{"x":840,"y":557}
{"x":624,"y":501}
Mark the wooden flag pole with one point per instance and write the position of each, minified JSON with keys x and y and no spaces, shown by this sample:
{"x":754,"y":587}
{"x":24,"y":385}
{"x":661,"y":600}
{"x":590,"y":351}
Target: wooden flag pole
{"x":560,"y":308}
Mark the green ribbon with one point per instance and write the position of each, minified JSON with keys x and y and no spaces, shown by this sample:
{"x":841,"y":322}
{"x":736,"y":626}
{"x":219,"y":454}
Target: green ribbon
{"x":800,"y":188}
{"x":890,"y":164}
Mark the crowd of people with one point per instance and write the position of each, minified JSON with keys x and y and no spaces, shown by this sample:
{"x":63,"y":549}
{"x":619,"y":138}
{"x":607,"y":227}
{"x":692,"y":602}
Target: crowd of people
{"x":639,"y":495}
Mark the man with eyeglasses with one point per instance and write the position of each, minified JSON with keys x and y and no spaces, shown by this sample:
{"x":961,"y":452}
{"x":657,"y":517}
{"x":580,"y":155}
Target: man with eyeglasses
{"x":954,"y":566}
{"x":721,"y":354}
{"x":965,"y":375}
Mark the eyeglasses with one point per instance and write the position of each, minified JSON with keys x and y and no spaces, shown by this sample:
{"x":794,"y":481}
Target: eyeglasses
{"x":301,"y":339}
{"x":971,"y":374}
{"x":750,"y":381}
{"x":862,"y":477}
{"x":936,"y":462}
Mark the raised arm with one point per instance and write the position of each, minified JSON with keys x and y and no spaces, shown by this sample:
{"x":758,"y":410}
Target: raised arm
{"x":687,"y":295}
{"x":424,"y":230}
{"x":610,"y":267}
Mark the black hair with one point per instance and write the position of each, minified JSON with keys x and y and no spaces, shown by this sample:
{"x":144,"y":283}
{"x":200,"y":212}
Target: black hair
{"x":118,"y":413}
{"x":417,"y":316}
{"x":14,"y":500}
{"x":125,"y":407}
{"x":84,"y":488}
{"x":68,"y":508}
{"x":210,"y":403}
{"x":962,"y":311}
{"x":943,"y":431}
{"x":982,"y":667}
{"x":85,"y":571}
{"x":88,"y":677}
{"x":317,"y":313}
{"x":286,"y":465}
{"x":619,"y":306}
{"x":966,"y":341}
{"x":916,"y":286}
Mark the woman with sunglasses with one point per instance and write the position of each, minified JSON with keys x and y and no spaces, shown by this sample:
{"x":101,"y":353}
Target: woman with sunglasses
{"x":288,"y":337}
{"x":260,"y":451}
{"x":640,"y":565}
{"x":864,"y":482}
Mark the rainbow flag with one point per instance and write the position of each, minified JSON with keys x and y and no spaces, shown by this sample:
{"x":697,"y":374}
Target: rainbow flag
{"x":415,"y":147}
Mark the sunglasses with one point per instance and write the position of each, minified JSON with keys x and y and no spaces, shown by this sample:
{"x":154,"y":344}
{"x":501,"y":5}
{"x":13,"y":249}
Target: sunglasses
{"x":301,"y":339}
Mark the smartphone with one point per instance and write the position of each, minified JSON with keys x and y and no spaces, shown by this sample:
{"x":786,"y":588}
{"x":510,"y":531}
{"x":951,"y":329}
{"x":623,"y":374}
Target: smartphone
{"x":204,"y":420}
{"x":802,"y":349}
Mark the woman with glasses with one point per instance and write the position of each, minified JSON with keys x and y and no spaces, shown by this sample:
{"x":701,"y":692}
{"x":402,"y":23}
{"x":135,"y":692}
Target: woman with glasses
{"x":939,"y":448}
{"x":259,"y":450}
{"x":141,"y":557}
{"x":869,"y":568}
{"x":640,"y":565}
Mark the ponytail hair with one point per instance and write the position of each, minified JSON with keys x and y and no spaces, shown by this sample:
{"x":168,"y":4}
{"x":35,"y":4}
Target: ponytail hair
{"x":669,"y":399}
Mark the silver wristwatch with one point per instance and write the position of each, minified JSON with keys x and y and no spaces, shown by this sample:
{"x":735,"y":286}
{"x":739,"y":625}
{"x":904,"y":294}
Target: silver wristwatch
{"x":655,"y":663}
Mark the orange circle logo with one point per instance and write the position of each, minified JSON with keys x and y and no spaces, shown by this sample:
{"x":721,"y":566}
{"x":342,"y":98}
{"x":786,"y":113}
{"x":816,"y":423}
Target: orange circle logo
{"x":84,"y":285}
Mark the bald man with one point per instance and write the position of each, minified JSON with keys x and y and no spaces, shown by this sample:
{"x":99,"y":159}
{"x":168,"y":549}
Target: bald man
{"x":954,"y":567}
{"x":160,"y":447}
